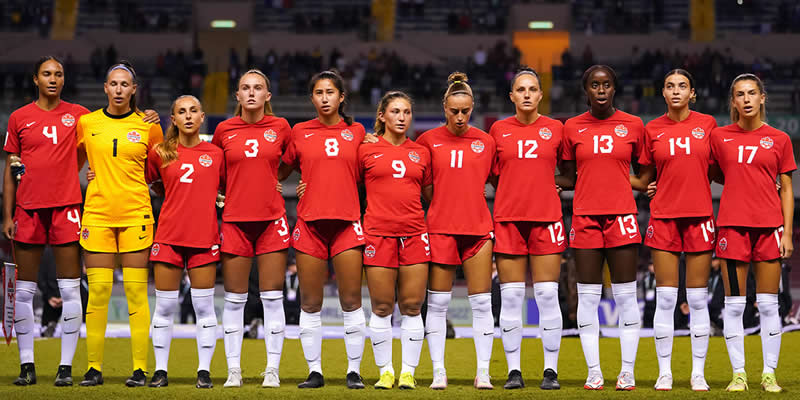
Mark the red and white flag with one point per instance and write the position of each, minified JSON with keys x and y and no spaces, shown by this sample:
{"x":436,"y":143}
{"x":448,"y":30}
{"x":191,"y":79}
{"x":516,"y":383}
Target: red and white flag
{"x":9,"y":287}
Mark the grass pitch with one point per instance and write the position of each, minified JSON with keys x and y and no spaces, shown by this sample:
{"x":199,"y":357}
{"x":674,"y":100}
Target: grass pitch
{"x":460,"y":361}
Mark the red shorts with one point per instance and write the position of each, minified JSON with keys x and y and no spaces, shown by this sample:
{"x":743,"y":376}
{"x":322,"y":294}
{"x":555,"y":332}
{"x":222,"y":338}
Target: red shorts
{"x":393,"y":251}
{"x":603,"y":231}
{"x":181,"y":256}
{"x":455,"y":249}
{"x":326,"y":238}
{"x":692,"y":235}
{"x":248,"y":239}
{"x":749,"y":244}
{"x":57,"y":225}
{"x":529,"y":237}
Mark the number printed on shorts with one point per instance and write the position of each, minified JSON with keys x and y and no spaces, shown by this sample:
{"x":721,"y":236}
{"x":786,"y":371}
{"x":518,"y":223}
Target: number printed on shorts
{"x":556,"y":232}
{"x":331,"y":147}
{"x":708,"y":230}
{"x":398,"y":166}
{"x":427,"y":242}
{"x":357,"y":228}
{"x":253,"y":144}
{"x":74,"y":216}
{"x":284,"y":228}
{"x":627,"y":225}
{"x":187,"y":176}
{"x":603,"y":144}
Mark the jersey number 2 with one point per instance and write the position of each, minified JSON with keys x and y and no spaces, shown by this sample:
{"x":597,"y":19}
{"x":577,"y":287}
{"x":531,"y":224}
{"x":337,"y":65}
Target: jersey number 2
{"x":187,"y":176}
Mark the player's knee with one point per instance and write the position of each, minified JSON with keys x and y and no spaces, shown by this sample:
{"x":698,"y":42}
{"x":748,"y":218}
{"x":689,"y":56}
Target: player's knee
{"x":383,"y":309}
{"x":350,"y":304}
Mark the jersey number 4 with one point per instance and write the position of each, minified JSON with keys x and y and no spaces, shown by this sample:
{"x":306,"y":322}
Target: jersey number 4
{"x":50,"y":133}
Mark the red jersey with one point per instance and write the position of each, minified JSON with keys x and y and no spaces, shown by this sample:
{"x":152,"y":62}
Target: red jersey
{"x":252,"y":155}
{"x":603,"y":150}
{"x":394,"y":177}
{"x":189,"y":215}
{"x":526,"y":161}
{"x":681,"y":153}
{"x":751,"y":162}
{"x":47,"y":145}
{"x":328,"y":160}
{"x":461,"y":165}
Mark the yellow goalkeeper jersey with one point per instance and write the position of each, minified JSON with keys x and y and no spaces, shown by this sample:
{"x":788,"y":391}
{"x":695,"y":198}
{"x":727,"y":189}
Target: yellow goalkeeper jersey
{"x":117,"y":147}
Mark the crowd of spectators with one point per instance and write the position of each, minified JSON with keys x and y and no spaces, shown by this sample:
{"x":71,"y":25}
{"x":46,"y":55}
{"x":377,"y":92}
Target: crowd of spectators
{"x":26,"y":15}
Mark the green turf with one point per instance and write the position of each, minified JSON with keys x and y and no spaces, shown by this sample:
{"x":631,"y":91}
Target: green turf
{"x":460,"y":361}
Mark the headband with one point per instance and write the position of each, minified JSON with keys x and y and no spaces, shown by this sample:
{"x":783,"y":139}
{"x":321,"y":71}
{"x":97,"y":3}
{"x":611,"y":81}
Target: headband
{"x":122,"y":67}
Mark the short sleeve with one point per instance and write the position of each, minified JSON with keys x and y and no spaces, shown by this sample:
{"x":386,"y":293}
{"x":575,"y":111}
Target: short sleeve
{"x":290,"y":156}
{"x":645,"y":156}
{"x":79,"y":134}
{"x":155,"y":136}
{"x":567,"y":151}
{"x":216,"y":140}
{"x":11,"y":144}
{"x":152,"y":172}
{"x":285,"y":136}
{"x":427,"y":174}
{"x":787,"y":158}
{"x":638,"y":145}
{"x":223,"y":169}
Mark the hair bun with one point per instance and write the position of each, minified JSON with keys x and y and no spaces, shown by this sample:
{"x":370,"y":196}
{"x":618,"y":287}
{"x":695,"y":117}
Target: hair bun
{"x":457,"y":77}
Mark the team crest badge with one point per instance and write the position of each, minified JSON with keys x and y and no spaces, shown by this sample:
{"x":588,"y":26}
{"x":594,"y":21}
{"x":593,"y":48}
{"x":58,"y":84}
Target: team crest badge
{"x":347,"y":135}
{"x":134,"y":137}
{"x":477,"y":146}
{"x":698,"y":133}
{"x":571,"y":234}
{"x":621,"y":131}
{"x":766,"y":142}
{"x":413,"y":156}
{"x":545,"y":133}
{"x":369,"y":251}
{"x":270,"y":136}
{"x":296,"y":234}
{"x":205,"y":160}
{"x":68,"y":120}
{"x":723,"y":244}
{"x":156,"y":248}
{"x":85,"y":233}
{"x":650,"y":231}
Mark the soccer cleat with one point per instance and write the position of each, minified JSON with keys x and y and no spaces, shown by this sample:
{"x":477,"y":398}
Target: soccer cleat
{"x":386,"y":381}
{"x":439,"y":379}
{"x":27,"y":375}
{"x":271,"y":379}
{"x":483,"y":380}
{"x":64,"y":376}
{"x":159,"y":379}
{"x":594,"y":381}
{"x":407,"y":381}
{"x":138,"y":379}
{"x":625,"y":381}
{"x":314,"y":380}
{"x":203,"y":380}
{"x":664,"y":383}
{"x":769,"y":383}
{"x":234,"y":378}
{"x":550,"y":380}
{"x":354,"y":380}
{"x":514,"y":380}
{"x":92,"y":377}
{"x":738,"y":383}
{"x":699,"y":383}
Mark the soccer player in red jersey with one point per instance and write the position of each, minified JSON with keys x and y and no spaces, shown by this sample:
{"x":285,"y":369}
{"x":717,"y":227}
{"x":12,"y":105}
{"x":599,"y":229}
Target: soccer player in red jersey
{"x":325,"y":150}
{"x":599,"y":144}
{"x":253,"y":221}
{"x":682,"y":220}
{"x":528,"y":150}
{"x":191,"y":171}
{"x":396,"y":171}
{"x":460,"y":227}
{"x":755,"y":222}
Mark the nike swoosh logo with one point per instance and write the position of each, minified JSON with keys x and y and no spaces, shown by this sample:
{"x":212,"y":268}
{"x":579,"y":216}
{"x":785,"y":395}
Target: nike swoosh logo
{"x":488,"y":333}
{"x":232,"y":136}
{"x":351,"y":332}
{"x":726,"y":140}
{"x":379,"y":343}
{"x":69,"y":319}
{"x":699,"y":336}
{"x":142,"y":237}
{"x":309,"y":135}
{"x":16,"y":321}
{"x":581,"y":130}
{"x":431,"y":333}
{"x":276,"y":332}
{"x":632,"y":236}
{"x":233,"y":331}
{"x":661,"y":337}
{"x":213,"y":253}
{"x":285,"y":240}
{"x":594,"y":366}
{"x":129,"y":314}
{"x":28,"y":125}
{"x":583,"y":326}
{"x":774,"y":333}
{"x":70,"y":333}
{"x":509,"y":330}
{"x":660,"y":135}
{"x":354,"y":358}
{"x":631,"y":323}
{"x":436,"y":145}
{"x":208,"y":326}
{"x":550,"y":329}
{"x":159,"y":327}
{"x":378,"y":155}
{"x":560,"y":243}
{"x":416,"y":340}
{"x":730,"y":337}
{"x":95,"y":134}
{"x":506,"y":134}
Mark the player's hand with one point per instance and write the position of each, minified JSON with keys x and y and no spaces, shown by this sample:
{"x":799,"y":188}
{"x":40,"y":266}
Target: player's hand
{"x":17,"y":167}
{"x":55,"y":302}
{"x":558,"y":189}
{"x":787,"y":248}
{"x":90,"y":175}
{"x":151,"y":117}
{"x":301,"y":189}
{"x":778,"y":185}
{"x":220,"y":200}
{"x":370,"y":138}
{"x":9,"y":228}
{"x":651,"y":190}
{"x":279,"y":188}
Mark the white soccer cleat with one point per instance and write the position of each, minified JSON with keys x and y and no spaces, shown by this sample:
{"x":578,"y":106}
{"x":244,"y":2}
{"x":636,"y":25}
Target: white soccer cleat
{"x":699,"y":383}
{"x":271,"y":379}
{"x":664,"y":383}
{"x":625,"y":381}
{"x":594,"y":381}
{"x":439,"y":379}
{"x":234,"y":378}
{"x":483,"y":380}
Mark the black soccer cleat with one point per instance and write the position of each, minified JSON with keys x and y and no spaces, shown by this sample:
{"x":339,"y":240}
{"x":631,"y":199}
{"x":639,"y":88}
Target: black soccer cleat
{"x":138,"y":379}
{"x":92,"y":377}
{"x":203,"y":380}
{"x":64,"y":376}
{"x":27,"y":375}
{"x":314,"y":380}
{"x":354,"y":380}
{"x":514,"y":380}
{"x":159,"y":379}
{"x":550,"y":380}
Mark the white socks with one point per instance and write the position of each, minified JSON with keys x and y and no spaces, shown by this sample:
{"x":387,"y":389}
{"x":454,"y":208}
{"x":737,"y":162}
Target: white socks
{"x":206,"y":321}
{"x":355,"y":327}
{"x":629,"y":322}
{"x":550,"y":321}
{"x":71,"y":317}
{"x":436,"y":325}
{"x":771,"y":329}
{"x":233,"y":327}
{"x":166,"y":307}
{"x":733,"y":330}
{"x":380,"y":334}
{"x":589,"y":324}
{"x":413,"y":333}
{"x":23,"y":319}
{"x":482,"y":328}
{"x":274,"y":325}
{"x":311,"y":340}
{"x":699,"y":327}
{"x":512,"y":295}
{"x":664,"y":326}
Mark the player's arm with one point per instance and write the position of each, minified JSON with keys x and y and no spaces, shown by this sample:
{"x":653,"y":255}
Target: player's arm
{"x":640,"y":181}
{"x":9,"y":198}
{"x":787,"y":207}
{"x":568,"y":175}
{"x":427,"y":193}
{"x":715,"y":174}
{"x":284,"y":170}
